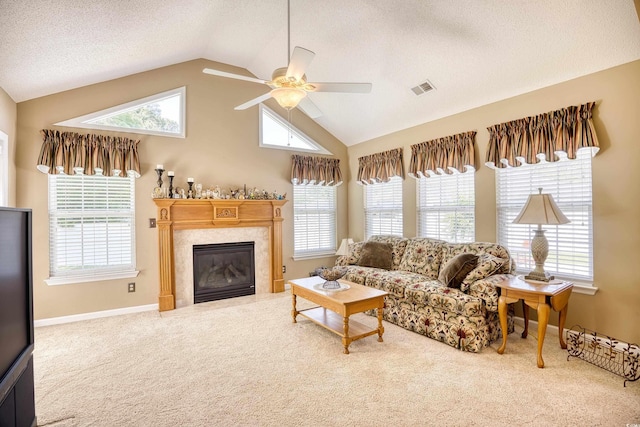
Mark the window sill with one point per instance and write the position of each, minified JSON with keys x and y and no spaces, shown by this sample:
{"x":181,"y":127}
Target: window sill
{"x":313,"y":256}
{"x":68,"y":280}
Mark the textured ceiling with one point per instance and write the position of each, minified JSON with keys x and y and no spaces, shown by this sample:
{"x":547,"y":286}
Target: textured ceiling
{"x":474,"y":52}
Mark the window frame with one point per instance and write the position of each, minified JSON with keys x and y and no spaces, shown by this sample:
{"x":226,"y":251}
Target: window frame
{"x":264,"y":110}
{"x":331,"y":227}
{"x":391,"y":191}
{"x":571,"y":177}
{"x":57,"y":277}
{"x":83,"y":121}
{"x":4,"y":169}
{"x":445,"y":187}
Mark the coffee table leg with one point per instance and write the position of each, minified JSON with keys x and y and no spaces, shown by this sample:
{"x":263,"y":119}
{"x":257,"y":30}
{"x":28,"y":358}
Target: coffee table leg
{"x":346,"y":340}
{"x":294,"y":312}
{"x":380,"y":327}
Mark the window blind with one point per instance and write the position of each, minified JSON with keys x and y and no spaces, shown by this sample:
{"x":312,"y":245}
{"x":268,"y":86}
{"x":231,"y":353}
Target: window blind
{"x":91,"y":224}
{"x":570,"y":245}
{"x":446,"y":207}
{"x":383,"y":208}
{"x":314,"y":223}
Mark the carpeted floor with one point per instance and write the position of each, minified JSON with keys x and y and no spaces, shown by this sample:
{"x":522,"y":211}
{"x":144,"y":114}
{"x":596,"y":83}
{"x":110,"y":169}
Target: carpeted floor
{"x":244,"y":363}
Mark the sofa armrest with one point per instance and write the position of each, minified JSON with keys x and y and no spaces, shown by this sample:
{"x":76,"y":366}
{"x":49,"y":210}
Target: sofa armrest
{"x":486,"y":290}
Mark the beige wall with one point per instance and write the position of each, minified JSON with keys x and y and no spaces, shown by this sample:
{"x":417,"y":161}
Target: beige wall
{"x":615,"y":309}
{"x":221,"y":148}
{"x":8,"y":117}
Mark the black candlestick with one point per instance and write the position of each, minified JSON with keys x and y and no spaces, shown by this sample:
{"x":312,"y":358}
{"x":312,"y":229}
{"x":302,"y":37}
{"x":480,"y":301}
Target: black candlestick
{"x":171,"y":186}
{"x":159,"y":171}
{"x":190,"y":194}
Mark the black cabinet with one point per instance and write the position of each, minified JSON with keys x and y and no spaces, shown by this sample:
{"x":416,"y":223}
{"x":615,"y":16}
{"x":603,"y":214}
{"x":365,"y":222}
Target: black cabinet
{"x":18,"y":407}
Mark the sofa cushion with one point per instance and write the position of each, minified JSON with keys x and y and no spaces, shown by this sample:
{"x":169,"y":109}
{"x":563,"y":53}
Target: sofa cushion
{"x":433,"y":293}
{"x":453,"y":273}
{"x":487,"y":265}
{"x":398,"y":245}
{"x":377,"y":255}
{"x":449,"y":250}
{"x":395,"y":282}
{"x":422,"y":256}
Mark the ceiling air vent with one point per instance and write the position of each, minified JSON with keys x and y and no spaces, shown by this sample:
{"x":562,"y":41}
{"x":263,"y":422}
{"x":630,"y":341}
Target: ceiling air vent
{"x":423,"y":87}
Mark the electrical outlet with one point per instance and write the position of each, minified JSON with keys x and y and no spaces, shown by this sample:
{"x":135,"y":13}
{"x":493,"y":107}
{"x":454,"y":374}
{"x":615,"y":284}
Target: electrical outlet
{"x":132,"y":286}
{"x":152,"y":223}
{"x":284,"y":269}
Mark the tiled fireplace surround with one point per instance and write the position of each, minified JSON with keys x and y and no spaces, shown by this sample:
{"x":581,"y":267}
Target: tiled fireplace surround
{"x":183,"y":223}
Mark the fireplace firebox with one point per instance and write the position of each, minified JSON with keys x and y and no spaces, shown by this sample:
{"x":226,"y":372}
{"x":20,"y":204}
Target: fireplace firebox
{"x":224,"y":270}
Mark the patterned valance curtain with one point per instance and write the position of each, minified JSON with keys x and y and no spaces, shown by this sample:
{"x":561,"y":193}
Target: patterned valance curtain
{"x":380,"y":167}
{"x":545,"y":136}
{"x":443,"y":155}
{"x":315,"y":170}
{"x":71,"y":153}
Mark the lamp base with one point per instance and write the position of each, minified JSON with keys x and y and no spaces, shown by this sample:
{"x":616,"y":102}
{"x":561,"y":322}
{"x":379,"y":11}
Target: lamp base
{"x":544,"y":277}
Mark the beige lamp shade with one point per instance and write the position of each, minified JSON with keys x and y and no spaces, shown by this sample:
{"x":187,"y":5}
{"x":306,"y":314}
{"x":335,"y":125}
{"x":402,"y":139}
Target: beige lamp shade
{"x":344,"y":247}
{"x":541,"y":209}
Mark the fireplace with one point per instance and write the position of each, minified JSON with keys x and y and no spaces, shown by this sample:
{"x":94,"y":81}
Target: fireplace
{"x":224,"y":270}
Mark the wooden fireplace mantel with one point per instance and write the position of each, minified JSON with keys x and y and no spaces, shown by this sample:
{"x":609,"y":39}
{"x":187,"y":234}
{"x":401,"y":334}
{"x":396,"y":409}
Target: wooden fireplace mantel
{"x":184,"y":214}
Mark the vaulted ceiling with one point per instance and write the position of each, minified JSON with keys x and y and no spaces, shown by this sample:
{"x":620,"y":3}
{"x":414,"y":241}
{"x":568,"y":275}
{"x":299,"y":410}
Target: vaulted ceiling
{"x":473,"y":52}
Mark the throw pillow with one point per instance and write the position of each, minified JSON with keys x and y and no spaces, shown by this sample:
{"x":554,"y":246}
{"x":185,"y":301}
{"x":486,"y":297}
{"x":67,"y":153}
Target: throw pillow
{"x":376,"y":254}
{"x":454,"y":271}
{"x":487,"y":265}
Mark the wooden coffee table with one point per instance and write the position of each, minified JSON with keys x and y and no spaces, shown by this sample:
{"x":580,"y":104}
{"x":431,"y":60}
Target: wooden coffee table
{"x":336,"y":307}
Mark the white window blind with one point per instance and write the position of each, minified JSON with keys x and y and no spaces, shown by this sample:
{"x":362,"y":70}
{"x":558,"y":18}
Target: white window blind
{"x":446,"y":207}
{"x":570,"y":245}
{"x":383,"y":208}
{"x":314,"y":220}
{"x":91,"y":225}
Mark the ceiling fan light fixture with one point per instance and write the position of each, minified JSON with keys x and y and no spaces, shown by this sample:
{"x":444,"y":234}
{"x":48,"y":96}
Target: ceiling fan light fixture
{"x":287,"y":97}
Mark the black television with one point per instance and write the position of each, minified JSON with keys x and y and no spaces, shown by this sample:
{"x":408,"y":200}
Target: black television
{"x":16,"y":317}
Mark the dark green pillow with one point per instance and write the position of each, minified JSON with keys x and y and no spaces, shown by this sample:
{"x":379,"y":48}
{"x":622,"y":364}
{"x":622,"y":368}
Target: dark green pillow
{"x":453,"y":272}
{"x":376,"y":254}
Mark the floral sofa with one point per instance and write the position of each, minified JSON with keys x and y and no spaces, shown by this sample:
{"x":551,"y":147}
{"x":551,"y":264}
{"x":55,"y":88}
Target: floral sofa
{"x":462,"y":313}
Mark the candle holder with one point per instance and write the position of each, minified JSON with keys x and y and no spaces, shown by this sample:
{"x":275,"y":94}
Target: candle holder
{"x":171,"y":186}
{"x":159,"y":172}
{"x":190,"y":194}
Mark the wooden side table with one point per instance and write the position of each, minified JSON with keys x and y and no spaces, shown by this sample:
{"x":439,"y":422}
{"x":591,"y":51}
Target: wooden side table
{"x":540,"y":296}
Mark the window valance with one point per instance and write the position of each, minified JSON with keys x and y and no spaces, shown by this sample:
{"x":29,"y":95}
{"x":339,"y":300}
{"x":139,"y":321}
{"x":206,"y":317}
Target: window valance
{"x":443,"y":155}
{"x":315,"y":170}
{"x":380,"y":167}
{"x":72,"y":153}
{"x":545,"y":136}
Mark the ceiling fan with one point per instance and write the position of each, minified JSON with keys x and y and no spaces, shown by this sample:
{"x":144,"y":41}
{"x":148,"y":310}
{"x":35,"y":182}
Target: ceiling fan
{"x":289,"y":85}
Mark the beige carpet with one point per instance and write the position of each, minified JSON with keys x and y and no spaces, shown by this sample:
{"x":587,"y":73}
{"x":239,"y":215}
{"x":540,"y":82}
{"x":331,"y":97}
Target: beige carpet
{"x":248,"y":365}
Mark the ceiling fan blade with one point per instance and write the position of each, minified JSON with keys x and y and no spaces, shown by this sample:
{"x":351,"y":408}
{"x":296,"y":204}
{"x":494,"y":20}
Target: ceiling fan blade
{"x":254,"y":101}
{"x":309,"y":108}
{"x":233,"y":76}
{"x":341,"y":87}
{"x":300,"y":60}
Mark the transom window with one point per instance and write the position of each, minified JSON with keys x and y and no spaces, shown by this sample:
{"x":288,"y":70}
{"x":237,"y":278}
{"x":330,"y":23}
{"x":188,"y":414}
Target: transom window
{"x":446,"y":207}
{"x":570,"y":245}
{"x":91,"y":228}
{"x":277,"y":133}
{"x":383,"y":208}
{"x":314,"y":220}
{"x":161,"y":114}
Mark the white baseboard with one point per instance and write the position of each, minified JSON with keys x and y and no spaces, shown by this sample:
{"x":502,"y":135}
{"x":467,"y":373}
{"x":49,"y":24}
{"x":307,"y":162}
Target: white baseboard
{"x":94,"y":315}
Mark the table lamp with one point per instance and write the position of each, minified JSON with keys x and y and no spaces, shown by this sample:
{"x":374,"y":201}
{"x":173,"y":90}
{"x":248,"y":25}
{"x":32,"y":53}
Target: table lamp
{"x":540,"y":209}
{"x":344,"y":247}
